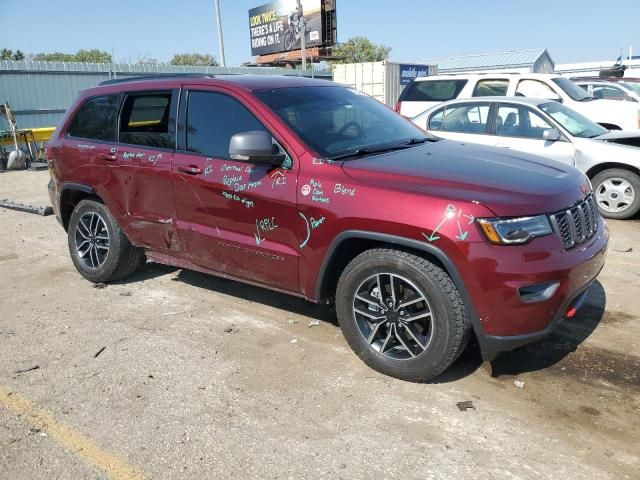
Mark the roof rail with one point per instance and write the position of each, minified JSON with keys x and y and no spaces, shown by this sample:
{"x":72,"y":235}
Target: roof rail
{"x":155,"y":76}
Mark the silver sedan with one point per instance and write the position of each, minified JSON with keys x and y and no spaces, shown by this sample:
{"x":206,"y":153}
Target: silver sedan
{"x":611,"y":159}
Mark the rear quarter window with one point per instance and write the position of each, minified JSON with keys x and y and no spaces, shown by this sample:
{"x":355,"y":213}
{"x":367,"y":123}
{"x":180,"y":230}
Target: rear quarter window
{"x":491,"y":88}
{"x":433,"y":90}
{"x":96,"y":119}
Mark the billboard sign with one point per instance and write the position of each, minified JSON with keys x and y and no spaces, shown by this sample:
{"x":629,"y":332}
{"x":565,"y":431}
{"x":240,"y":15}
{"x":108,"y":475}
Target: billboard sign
{"x":409,"y":72}
{"x":278,"y":26}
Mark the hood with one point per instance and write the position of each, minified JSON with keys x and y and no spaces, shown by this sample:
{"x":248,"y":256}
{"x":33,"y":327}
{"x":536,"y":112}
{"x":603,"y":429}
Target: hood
{"x":615,"y":105}
{"x":508,"y":184}
{"x":614,"y":112}
{"x":619,"y":136}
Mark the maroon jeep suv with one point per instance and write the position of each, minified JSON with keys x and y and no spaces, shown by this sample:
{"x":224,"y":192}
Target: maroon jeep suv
{"x":317,"y":190}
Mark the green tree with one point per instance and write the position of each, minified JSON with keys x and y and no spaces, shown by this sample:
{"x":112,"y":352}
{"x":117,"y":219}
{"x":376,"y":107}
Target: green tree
{"x":88,"y":56}
{"x":193,"y":59}
{"x":54,"y":57}
{"x":18,"y":55}
{"x":6,"y":54}
{"x":93,"y":56}
{"x":360,"y":49}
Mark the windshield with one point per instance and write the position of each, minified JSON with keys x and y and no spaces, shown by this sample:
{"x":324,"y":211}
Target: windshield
{"x":577,"y":124}
{"x":632,"y":86}
{"x":336,"y":121}
{"x":574,"y":91}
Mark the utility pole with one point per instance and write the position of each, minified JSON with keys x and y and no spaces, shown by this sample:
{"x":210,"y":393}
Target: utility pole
{"x":220,"y":36}
{"x":303,"y":44}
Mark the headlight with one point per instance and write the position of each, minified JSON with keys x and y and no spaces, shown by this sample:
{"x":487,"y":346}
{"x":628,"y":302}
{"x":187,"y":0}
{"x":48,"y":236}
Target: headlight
{"x":515,"y":230}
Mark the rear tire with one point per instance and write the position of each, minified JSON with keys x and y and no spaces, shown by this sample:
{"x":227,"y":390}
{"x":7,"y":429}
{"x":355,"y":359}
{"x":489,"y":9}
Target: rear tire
{"x":389,"y":327}
{"x":99,"y":249}
{"x":617,"y":193}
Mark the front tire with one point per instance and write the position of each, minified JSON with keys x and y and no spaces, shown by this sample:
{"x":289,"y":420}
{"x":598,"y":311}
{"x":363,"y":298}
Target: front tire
{"x":99,"y":249}
{"x":401,"y":314}
{"x":617,"y":193}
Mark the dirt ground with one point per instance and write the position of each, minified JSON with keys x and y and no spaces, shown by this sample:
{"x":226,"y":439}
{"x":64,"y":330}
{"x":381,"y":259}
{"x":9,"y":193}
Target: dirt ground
{"x":177,"y":375}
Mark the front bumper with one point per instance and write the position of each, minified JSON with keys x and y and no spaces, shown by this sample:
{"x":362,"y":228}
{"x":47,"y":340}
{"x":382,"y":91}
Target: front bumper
{"x":492,"y":345}
{"x":505,"y":321}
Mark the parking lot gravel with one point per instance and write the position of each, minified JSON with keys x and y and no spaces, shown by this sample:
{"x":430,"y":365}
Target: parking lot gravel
{"x":173,"y":374}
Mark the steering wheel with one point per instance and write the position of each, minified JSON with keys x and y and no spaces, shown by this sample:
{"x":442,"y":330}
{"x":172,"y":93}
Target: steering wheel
{"x":349,"y":125}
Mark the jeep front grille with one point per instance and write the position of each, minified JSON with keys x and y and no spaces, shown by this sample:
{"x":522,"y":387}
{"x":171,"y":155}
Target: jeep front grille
{"x":577,"y":224}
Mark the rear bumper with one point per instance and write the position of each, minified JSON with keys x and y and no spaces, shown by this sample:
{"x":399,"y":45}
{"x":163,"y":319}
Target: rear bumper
{"x":54,"y":196}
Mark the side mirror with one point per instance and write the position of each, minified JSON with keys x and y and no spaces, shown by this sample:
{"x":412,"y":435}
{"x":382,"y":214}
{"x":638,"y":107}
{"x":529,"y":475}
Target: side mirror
{"x":551,"y":135}
{"x":255,"y":147}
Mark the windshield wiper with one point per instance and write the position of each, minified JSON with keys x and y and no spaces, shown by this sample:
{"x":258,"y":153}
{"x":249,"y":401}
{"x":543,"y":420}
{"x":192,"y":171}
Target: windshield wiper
{"x":587,"y":99}
{"x":418,"y":140}
{"x":383,"y":148}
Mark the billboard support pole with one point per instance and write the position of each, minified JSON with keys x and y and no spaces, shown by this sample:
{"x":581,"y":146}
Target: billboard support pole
{"x":220,"y":36}
{"x":303,"y":44}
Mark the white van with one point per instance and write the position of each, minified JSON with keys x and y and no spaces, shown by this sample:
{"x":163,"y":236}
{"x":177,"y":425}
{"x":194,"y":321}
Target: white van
{"x":426,"y":92}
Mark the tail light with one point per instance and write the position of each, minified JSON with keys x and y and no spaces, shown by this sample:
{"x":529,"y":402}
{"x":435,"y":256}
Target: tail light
{"x":638,"y":119}
{"x":399,"y":104}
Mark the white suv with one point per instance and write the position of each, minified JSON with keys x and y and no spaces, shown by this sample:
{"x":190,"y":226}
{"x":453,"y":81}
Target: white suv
{"x":426,"y":92}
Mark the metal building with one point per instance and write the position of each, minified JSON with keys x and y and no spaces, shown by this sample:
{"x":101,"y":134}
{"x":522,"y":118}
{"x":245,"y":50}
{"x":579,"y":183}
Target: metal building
{"x":40,"y":92}
{"x":522,"y":61}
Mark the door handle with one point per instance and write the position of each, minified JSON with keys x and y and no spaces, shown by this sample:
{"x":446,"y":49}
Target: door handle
{"x":190,"y":169}
{"x":110,"y":157}
{"x":502,"y":145}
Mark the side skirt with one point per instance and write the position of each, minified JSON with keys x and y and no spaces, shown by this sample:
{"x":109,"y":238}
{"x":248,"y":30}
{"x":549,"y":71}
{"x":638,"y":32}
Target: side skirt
{"x":166,"y":259}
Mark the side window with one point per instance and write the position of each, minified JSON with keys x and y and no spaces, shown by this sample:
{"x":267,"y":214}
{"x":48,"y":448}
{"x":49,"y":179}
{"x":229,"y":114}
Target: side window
{"x":610,"y":93}
{"x":96,"y":119}
{"x":491,"y":87}
{"x":467,"y":118}
{"x":435,"y":122}
{"x":535,"y":88}
{"x":516,"y":121}
{"x":144,"y":120}
{"x":433,"y":90}
{"x":212,"y":119}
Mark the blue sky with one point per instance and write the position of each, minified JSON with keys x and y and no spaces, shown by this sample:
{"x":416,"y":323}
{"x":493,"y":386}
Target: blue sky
{"x":572,"y":30}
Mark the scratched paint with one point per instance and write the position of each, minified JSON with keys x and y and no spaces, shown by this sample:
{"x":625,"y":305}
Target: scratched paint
{"x":451,"y":214}
{"x":195,"y":194}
